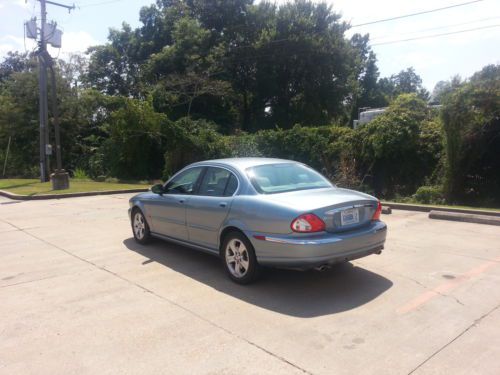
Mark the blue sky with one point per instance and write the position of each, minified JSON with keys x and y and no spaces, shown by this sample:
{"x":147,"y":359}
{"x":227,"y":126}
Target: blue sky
{"x":434,"y":58}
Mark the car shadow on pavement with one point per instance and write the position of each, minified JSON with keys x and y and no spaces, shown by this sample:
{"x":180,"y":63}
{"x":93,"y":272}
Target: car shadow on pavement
{"x":295,"y":293}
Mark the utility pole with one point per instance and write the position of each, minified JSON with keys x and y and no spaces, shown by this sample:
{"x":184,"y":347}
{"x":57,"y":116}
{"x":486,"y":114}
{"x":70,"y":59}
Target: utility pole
{"x":60,"y":179}
{"x":44,"y":172}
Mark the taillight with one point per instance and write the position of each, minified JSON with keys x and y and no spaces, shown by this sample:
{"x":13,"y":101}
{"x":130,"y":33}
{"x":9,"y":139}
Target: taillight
{"x":307,"y":223}
{"x":378,"y":211}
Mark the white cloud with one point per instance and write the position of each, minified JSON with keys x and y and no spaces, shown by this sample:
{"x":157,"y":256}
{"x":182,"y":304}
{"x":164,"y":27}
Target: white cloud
{"x":5,"y":48}
{"x":20,"y":3}
{"x":13,"y":43}
{"x":17,"y":3}
{"x":72,"y":43}
{"x":75,"y":42}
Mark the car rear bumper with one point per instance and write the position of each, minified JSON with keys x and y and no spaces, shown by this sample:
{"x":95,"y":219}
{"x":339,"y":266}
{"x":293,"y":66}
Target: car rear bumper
{"x":304,"y":252}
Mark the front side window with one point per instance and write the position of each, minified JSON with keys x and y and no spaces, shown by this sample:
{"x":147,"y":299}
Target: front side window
{"x":218,"y":182}
{"x":283,"y":177}
{"x":184,"y":183}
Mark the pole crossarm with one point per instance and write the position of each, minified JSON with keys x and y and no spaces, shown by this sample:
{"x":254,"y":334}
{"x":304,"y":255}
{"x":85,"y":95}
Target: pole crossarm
{"x":68,"y":7}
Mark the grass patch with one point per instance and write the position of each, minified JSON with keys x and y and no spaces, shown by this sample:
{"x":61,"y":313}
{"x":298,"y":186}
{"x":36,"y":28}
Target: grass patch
{"x":35,"y":187}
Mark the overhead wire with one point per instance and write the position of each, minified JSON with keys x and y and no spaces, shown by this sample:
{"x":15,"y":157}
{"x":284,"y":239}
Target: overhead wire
{"x":416,"y":14}
{"x":99,"y":3}
{"x":352,"y":26}
{"x":260,"y":56}
{"x":435,"y":35}
{"x":434,"y":28}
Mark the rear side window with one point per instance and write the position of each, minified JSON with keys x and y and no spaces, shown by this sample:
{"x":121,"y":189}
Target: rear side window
{"x":283,"y":177}
{"x":232,"y":185}
{"x":218,"y":182}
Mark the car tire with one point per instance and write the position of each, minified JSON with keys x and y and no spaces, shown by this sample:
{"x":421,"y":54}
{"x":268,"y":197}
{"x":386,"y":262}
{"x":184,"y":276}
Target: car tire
{"x":238,"y":257}
{"x":140,"y":227}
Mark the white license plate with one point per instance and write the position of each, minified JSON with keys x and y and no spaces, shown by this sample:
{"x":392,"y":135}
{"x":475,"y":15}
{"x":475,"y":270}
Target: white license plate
{"x":348,"y":217}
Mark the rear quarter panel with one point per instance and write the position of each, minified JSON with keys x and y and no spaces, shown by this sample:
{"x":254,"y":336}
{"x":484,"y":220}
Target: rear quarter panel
{"x":253,"y":214}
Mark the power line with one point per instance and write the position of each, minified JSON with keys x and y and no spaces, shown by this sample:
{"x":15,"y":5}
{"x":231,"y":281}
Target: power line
{"x":99,"y":3}
{"x":416,"y":14}
{"x":435,"y":35}
{"x":434,"y":28}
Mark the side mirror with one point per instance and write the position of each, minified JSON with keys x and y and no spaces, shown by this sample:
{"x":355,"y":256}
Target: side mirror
{"x":157,"y":189}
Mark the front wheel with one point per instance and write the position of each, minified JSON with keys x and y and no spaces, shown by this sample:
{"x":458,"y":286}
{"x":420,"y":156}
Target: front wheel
{"x":140,"y":227}
{"x":238,"y":257}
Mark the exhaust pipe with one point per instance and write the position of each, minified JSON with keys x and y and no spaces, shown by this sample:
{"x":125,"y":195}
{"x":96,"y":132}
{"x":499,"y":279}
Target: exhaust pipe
{"x":322,"y":268}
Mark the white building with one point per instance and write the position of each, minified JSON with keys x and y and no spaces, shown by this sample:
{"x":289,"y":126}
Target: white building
{"x":367,"y":116}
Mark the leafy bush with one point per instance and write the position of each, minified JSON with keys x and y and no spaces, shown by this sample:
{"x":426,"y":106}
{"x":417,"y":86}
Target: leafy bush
{"x":392,"y":146}
{"x":193,"y":140}
{"x":138,"y":137}
{"x":429,"y":195}
{"x":80,"y":174}
{"x":242,"y":145}
{"x":300,"y":143}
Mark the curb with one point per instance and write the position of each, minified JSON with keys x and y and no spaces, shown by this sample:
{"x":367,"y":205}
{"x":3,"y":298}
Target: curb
{"x":420,"y":208}
{"x":467,"y":218}
{"x":386,"y":210}
{"x":68,"y":195}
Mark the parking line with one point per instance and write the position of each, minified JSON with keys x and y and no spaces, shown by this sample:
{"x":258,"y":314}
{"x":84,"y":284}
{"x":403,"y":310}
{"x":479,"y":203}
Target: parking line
{"x":445,"y":287}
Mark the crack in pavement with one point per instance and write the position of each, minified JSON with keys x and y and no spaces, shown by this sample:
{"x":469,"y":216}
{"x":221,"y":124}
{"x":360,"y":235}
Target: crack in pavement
{"x":31,"y":281}
{"x":191,"y":312}
{"x":471,"y":257}
{"x":474,"y":324}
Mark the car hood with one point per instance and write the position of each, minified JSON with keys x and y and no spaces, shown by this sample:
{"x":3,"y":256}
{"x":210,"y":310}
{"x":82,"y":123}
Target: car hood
{"x":144,"y":195}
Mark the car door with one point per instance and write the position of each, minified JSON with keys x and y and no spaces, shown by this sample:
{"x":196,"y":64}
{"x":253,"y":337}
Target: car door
{"x":168,"y":210}
{"x":207,"y":209}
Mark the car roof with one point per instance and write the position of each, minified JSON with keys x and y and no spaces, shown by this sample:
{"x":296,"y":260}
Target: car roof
{"x":244,"y":163}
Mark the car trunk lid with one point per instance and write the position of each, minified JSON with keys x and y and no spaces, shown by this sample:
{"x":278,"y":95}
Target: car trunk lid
{"x":340,"y":209}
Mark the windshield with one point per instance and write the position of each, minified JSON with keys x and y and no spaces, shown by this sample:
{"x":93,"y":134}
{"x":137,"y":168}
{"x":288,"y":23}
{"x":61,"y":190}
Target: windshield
{"x":283,"y":177}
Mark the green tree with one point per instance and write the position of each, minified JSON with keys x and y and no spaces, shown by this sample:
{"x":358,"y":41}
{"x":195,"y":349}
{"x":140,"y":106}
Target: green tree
{"x":185,"y":76}
{"x":471,"y":123}
{"x":19,"y":117}
{"x":405,"y":82}
{"x":366,"y":90}
{"x":303,"y":66}
{"x":113,"y":67}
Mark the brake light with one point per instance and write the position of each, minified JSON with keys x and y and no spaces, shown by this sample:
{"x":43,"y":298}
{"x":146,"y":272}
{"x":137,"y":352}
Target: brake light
{"x":378,"y":211}
{"x":307,"y":223}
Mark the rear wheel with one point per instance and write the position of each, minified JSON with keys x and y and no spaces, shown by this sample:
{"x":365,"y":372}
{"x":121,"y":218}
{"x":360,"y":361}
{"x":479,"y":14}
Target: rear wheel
{"x":140,"y":227}
{"x":238,"y":257}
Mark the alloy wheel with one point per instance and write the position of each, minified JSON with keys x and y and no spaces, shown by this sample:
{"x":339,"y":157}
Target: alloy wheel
{"x":139,"y":226}
{"x":237,"y":258}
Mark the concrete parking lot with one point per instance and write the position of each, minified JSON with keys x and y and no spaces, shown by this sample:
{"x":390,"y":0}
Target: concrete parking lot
{"x":79,"y":296}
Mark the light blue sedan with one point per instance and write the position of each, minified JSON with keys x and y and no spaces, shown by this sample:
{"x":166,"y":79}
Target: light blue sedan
{"x":255,"y":212}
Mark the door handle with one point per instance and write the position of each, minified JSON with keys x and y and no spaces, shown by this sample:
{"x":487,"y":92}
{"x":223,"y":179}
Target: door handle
{"x":223,"y":204}
{"x":181,"y":201}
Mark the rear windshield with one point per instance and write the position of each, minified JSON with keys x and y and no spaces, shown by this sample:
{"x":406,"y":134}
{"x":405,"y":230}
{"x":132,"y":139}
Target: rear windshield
{"x":283,"y":177}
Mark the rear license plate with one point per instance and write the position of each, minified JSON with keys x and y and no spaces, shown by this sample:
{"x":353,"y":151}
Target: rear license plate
{"x":348,"y":217}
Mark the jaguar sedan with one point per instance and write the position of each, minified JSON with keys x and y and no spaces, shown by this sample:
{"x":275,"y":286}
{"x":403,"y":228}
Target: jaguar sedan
{"x":255,"y":212}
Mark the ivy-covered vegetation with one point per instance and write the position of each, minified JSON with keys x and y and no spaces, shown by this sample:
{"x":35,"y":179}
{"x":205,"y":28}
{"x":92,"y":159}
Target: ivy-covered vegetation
{"x":205,"y":79}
